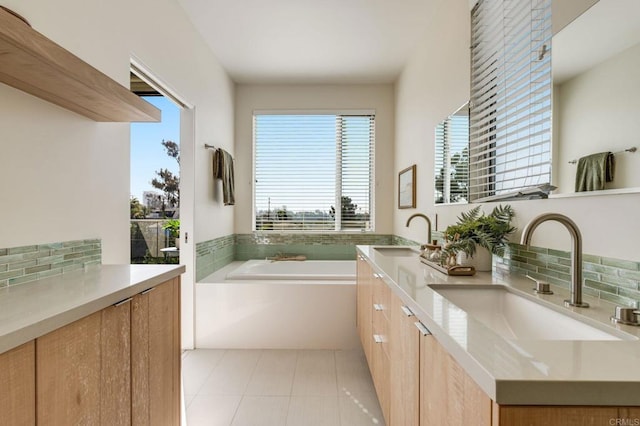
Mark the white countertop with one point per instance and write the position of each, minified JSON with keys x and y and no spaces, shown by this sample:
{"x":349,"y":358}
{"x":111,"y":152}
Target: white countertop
{"x":517,"y":371}
{"x":30,"y":310}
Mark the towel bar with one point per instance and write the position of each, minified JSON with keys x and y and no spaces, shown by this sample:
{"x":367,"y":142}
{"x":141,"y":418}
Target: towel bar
{"x":632,"y":149}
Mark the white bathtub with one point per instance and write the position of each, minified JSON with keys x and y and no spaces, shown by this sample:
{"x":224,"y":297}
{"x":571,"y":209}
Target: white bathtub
{"x":295,"y":305}
{"x":324,"y":270}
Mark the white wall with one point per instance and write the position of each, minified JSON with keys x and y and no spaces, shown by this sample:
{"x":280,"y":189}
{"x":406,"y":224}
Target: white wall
{"x":65,"y":177}
{"x":434,"y":84}
{"x":314,"y":97}
{"x":598,"y":111}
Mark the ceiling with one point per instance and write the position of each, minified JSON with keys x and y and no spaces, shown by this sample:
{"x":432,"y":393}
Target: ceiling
{"x":311,"y":41}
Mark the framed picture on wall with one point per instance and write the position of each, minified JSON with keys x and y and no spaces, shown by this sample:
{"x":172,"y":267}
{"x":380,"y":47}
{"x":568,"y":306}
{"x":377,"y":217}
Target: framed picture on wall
{"x":407,"y":188}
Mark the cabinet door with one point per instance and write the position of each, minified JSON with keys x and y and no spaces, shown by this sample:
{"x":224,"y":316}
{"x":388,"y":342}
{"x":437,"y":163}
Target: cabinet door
{"x":404,"y":345}
{"x":18,"y":389}
{"x":381,"y":365}
{"x":83,"y":374}
{"x":156,"y":356}
{"x":381,"y":375}
{"x":364,"y":306}
{"x":115,"y":376}
{"x":448,"y":396}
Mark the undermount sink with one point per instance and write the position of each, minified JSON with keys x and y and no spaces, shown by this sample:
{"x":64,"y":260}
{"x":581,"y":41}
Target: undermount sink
{"x":513,"y":316}
{"x":397,"y":251}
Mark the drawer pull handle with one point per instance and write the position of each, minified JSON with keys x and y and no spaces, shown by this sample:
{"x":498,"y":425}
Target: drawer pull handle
{"x":378,"y":338}
{"x":423,"y":330}
{"x":378,"y":307}
{"x":122,"y":302}
{"x":149,"y":290}
{"x":406,"y":311}
{"x":379,"y":276}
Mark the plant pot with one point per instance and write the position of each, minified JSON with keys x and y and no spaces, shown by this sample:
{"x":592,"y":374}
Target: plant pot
{"x":481,"y":260}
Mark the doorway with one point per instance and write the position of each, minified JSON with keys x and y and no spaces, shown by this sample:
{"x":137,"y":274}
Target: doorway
{"x":168,"y":152}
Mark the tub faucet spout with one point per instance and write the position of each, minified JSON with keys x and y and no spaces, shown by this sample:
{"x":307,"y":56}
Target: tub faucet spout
{"x":428,"y":224}
{"x":576,"y":252}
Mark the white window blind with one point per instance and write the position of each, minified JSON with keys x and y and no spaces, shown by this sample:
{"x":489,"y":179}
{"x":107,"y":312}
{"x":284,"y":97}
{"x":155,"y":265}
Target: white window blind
{"x":510,"y":114}
{"x":313,"y":171}
{"x":452,"y":158}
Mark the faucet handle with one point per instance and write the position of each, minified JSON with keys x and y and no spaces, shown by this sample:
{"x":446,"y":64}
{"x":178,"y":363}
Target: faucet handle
{"x":626,"y":315}
{"x":542,"y":287}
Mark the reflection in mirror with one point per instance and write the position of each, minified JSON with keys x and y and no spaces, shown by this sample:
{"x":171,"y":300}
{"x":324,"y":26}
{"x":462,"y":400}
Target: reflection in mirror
{"x":452,"y":158}
{"x":510,"y":98}
{"x":596,"y":100}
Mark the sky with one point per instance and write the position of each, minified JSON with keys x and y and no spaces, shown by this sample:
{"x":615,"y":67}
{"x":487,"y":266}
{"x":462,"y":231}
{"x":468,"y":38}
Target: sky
{"x":147,"y":152}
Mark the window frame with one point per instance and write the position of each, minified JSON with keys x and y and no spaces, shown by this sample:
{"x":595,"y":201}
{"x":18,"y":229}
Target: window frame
{"x":338,"y":194}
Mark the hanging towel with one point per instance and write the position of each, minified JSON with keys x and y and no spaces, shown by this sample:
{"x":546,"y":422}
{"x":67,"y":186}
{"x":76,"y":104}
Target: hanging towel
{"x":223,"y":169}
{"x":594,"y":170}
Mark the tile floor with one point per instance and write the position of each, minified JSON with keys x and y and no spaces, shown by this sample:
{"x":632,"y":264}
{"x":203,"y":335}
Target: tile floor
{"x":278,"y":388}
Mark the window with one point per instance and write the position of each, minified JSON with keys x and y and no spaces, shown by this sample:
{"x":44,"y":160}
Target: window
{"x":510,"y":111}
{"x":452,"y":158}
{"x":313,"y":172}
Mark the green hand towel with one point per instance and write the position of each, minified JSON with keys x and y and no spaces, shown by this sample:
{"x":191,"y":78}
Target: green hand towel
{"x":593,"y":171}
{"x":223,"y":169}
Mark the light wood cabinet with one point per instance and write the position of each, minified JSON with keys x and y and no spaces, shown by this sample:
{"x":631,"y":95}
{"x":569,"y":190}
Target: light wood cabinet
{"x":156,"y":356}
{"x":381,"y":364}
{"x":83,"y":371}
{"x":115,"y":380}
{"x":117,"y":366}
{"x":17,"y":385}
{"x":514,"y":415}
{"x":448,"y":396}
{"x":373,"y":327}
{"x":364,"y":306}
{"x":405,"y":365}
{"x":419,"y":383}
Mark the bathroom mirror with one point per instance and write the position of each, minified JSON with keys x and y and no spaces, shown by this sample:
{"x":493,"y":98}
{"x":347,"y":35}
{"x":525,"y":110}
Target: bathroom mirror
{"x":596,"y":93}
{"x":452,"y":158}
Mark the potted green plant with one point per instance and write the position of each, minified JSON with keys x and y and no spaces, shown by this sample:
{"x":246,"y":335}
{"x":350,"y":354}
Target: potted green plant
{"x":474,"y":229}
{"x":172,"y":226}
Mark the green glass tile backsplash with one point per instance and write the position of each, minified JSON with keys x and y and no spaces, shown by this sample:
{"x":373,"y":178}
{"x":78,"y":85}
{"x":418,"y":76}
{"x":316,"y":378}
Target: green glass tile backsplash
{"x":614,"y":280}
{"x":214,"y":254}
{"x":607,"y":278}
{"x":29,"y":263}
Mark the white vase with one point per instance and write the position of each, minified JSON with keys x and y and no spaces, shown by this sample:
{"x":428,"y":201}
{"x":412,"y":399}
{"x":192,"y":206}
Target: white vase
{"x":481,"y":260}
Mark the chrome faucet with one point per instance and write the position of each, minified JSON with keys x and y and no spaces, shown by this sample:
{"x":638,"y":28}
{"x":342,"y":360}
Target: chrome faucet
{"x":428,"y":224}
{"x":576,"y":252}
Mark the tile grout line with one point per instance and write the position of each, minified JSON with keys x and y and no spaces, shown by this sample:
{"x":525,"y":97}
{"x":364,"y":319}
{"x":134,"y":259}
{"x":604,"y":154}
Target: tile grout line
{"x":217,"y":363}
{"x":255,"y":367}
{"x":246,"y":386}
{"x":293,"y":380}
{"x":235,"y":413}
{"x":335,"y":369}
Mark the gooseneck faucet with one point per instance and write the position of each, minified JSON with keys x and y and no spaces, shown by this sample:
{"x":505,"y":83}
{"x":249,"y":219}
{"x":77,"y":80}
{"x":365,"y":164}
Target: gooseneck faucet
{"x":428,"y":224}
{"x":576,"y":252}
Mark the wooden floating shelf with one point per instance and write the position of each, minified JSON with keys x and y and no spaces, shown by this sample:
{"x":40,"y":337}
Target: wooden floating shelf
{"x":36,"y":65}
